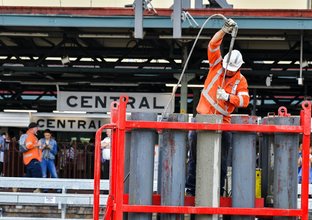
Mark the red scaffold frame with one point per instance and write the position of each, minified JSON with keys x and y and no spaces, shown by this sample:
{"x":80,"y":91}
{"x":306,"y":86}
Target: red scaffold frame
{"x":117,"y":201}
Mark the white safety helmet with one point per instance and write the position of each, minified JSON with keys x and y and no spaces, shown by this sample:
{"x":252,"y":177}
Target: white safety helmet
{"x":235,"y":62}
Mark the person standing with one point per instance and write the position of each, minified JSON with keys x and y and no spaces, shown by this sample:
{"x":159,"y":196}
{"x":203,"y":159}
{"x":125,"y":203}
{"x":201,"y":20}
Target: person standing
{"x":105,"y":146}
{"x":49,"y":151}
{"x":224,"y":90}
{"x":32,"y":157}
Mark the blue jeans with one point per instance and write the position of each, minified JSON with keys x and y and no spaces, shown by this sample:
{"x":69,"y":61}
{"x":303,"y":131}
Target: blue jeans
{"x":33,"y":169}
{"x":48,"y":164}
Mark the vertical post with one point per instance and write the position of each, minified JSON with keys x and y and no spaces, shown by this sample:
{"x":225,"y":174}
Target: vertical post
{"x":173,"y":167}
{"x":208,"y":168}
{"x":160,"y":159}
{"x":266,"y":163}
{"x":177,"y":22}
{"x":243,"y":167}
{"x":138,"y":19}
{"x":141,"y":166}
{"x":285,"y":167}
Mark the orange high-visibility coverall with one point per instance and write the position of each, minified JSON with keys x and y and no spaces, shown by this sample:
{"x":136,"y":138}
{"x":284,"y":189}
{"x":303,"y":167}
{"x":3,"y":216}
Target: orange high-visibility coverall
{"x":236,"y":86}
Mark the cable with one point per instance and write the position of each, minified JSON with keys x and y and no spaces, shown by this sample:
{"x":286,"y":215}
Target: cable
{"x":187,"y":60}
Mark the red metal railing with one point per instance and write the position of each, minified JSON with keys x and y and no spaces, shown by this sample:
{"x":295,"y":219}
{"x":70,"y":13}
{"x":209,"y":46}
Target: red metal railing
{"x":117,"y":201}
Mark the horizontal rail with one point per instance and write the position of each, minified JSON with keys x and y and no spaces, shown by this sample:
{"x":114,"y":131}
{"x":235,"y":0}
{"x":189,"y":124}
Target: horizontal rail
{"x":214,"y":127}
{"x":51,"y":183}
{"x":49,"y":199}
{"x":205,"y":210}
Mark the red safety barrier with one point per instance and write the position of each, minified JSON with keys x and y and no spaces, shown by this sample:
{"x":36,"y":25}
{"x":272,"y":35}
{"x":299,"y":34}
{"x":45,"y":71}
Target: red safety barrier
{"x":117,"y":200}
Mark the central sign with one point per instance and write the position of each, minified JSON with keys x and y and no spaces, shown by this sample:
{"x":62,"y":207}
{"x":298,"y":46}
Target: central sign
{"x":100,"y":102}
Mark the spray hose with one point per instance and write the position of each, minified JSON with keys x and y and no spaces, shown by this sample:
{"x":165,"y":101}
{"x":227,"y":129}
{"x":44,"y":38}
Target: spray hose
{"x":174,"y":90}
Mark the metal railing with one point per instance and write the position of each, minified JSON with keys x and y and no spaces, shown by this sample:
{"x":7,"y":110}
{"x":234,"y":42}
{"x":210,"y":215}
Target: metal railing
{"x":72,"y":161}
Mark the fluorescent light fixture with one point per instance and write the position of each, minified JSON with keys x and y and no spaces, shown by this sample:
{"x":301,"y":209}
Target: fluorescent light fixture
{"x":69,"y":112}
{"x":19,"y":110}
{"x":261,"y":38}
{"x":24,"y":34}
{"x":189,"y":85}
{"x":187,"y":37}
{"x":265,"y":87}
{"x":108,"y":36}
{"x":45,"y":83}
{"x":114,"y":84}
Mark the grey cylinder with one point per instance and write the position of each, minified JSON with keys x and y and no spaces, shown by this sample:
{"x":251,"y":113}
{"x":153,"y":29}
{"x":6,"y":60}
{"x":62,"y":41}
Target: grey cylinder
{"x":267,"y":163}
{"x":285,"y":167}
{"x":173,"y":166}
{"x":141,"y":166}
{"x":208,"y":166}
{"x":243,"y":166}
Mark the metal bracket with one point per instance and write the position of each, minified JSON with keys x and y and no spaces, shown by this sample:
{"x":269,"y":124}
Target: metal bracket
{"x":187,"y":16}
{"x":282,"y":111}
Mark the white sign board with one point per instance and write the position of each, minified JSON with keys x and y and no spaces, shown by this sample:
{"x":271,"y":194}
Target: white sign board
{"x":100,"y":102}
{"x":69,"y":123}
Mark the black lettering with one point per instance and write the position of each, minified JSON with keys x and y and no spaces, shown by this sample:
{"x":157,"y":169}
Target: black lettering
{"x":155,"y":104}
{"x":82,"y":124}
{"x":85,"y":101}
{"x":99,"y":124}
{"x":40,"y":123}
{"x":144,"y":103}
{"x":69,"y":103}
{"x":131,"y":102}
{"x":101,"y":102}
{"x":61,"y":124}
{"x":50,"y":123}
{"x":92,"y":125}
{"x":114,"y":98}
{"x":71,"y":123}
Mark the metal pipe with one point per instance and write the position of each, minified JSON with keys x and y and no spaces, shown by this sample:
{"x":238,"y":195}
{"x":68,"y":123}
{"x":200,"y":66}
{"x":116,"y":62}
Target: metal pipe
{"x":243,"y":167}
{"x":285,"y":167}
{"x":141,"y":166}
{"x":208,"y":166}
{"x":173,"y":167}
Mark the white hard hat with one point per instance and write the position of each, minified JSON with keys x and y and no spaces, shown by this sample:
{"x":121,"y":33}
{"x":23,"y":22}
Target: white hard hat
{"x":235,"y":62}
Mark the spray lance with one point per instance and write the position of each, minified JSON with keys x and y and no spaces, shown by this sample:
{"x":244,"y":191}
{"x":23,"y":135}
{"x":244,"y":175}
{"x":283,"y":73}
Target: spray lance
{"x":174,"y":89}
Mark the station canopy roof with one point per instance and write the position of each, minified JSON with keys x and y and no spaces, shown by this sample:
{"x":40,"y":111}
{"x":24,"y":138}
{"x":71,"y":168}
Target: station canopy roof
{"x":93,"y":49}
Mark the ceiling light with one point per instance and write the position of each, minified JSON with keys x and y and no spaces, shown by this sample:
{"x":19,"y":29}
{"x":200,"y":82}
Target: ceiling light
{"x":189,"y":85}
{"x":69,"y":112}
{"x":19,"y":110}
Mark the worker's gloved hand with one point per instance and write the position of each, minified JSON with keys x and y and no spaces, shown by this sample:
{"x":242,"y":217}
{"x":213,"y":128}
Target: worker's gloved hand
{"x":222,"y":94}
{"x":228,"y":26}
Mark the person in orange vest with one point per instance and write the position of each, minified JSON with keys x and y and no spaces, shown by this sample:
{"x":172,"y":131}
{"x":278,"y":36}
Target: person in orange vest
{"x":32,"y":157}
{"x":224,"y":90}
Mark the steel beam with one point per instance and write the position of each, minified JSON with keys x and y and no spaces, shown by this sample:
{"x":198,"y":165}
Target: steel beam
{"x":138,"y":19}
{"x":177,"y":19}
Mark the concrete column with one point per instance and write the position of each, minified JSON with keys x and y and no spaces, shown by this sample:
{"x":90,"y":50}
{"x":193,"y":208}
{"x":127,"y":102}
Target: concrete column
{"x":173,"y":166}
{"x":160,"y":159}
{"x":285,"y":167}
{"x":267,"y":163}
{"x":243,"y":166}
{"x":141,"y":165}
{"x":208,"y":167}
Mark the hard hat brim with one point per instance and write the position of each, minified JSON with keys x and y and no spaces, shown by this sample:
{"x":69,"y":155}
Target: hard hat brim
{"x":231,"y":67}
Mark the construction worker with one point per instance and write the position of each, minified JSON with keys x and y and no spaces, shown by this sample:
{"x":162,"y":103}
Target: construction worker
{"x":224,"y":90}
{"x":32,"y":157}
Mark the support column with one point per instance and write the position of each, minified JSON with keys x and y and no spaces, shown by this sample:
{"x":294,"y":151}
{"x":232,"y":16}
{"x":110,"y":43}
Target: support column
{"x":173,"y":167}
{"x":285,"y":167}
{"x":141,"y":165}
{"x":138,"y":19}
{"x":243,"y":166}
{"x":208,"y":166}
